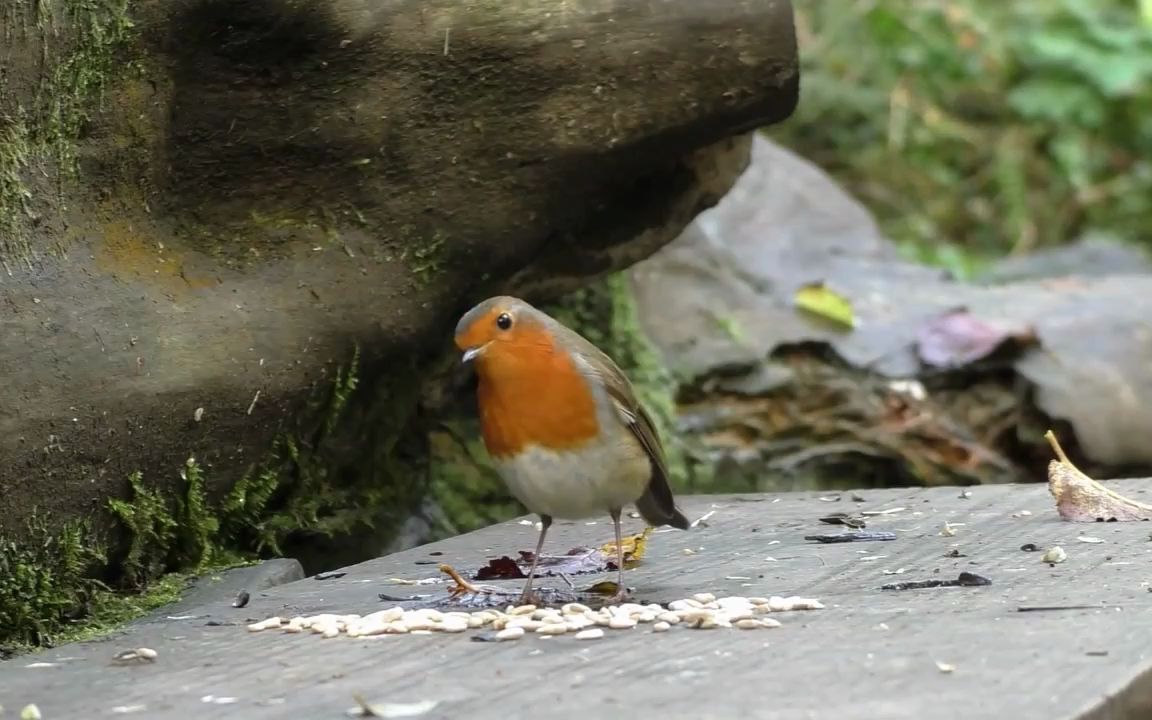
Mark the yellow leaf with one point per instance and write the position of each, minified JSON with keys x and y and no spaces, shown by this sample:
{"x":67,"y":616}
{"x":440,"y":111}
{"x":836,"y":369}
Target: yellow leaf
{"x":605,"y":587}
{"x":634,"y":546}
{"x":825,"y":303}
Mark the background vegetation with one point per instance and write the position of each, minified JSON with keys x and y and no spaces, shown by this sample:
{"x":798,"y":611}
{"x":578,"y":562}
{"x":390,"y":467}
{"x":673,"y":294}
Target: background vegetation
{"x":976,"y":128}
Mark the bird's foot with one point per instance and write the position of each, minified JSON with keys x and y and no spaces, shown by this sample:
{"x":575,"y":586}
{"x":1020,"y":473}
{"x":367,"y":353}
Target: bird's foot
{"x":621,"y":596}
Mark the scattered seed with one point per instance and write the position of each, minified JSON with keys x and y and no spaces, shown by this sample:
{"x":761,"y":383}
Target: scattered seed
{"x":748,"y":624}
{"x":1022,"y":513}
{"x":138,"y":655}
{"x":948,"y":530}
{"x":945,"y":667}
{"x":510,"y":633}
{"x":552,"y":629}
{"x":454,"y":625}
{"x":590,"y":634}
{"x":272,"y":622}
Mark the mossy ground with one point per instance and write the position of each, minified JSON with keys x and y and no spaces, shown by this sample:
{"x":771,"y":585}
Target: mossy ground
{"x":53,"y":581}
{"x":49,"y":593}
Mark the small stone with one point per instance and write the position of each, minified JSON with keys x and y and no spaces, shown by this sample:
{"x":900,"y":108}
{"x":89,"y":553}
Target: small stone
{"x":704,"y":598}
{"x":670,"y":618}
{"x":620,"y":622}
{"x":661,"y":626}
{"x":590,"y":634}
{"x":522,"y":610}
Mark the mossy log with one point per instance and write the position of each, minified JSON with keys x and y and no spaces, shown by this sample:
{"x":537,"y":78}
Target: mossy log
{"x":207,"y":207}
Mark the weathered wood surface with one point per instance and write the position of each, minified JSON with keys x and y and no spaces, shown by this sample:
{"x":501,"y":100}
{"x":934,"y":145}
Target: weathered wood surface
{"x":868,"y":654}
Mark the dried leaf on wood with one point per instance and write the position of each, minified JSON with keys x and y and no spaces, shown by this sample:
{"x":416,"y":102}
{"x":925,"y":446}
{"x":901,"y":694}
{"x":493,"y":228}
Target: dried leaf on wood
{"x":501,"y":568}
{"x":1079,"y":498}
{"x":634,"y":547}
{"x":577,"y":561}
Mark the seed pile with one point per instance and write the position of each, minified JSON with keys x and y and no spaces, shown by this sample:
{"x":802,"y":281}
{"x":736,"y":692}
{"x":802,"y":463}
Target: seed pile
{"x":702,"y":611}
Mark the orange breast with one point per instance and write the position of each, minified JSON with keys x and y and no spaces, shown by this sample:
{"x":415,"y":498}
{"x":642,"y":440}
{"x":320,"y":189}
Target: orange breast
{"x":533,"y":394}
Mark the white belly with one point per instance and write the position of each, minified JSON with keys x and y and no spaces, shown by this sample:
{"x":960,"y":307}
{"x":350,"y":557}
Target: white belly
{"x":577,"y":484}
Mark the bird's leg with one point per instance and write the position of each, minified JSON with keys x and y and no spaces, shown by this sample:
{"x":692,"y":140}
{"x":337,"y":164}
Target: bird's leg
{"x":621,"y":592}
{"x":526,"y":596}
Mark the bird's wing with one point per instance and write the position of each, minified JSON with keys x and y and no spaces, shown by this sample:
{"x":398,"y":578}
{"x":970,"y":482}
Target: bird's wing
{"x":657,"y":505}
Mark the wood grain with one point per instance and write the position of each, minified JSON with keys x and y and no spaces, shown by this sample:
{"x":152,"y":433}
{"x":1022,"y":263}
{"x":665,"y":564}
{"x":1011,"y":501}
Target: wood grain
{"x":869,"y":654}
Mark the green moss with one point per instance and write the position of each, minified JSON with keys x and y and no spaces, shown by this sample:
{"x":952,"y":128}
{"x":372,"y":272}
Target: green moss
{"x":81,"y":52}
{"x":310,"y":488}
{"x":424,"y":254}
{"x":48,"y":594}
{"x":150,"y":526}
{"x":44,"y":580}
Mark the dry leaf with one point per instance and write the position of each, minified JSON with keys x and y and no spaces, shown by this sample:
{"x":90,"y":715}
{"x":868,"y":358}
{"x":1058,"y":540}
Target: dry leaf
{"x":1079,"y":498}
{"x":958,"y":338}
{"x":817,"y":299}
{"x":634,"y":547}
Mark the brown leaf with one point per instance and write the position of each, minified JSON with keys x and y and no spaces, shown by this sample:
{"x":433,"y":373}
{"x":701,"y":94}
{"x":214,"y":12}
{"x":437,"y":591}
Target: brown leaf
{"x":958,"y":338}
{"x":501,"y":568}
{"x":1079,"y":498}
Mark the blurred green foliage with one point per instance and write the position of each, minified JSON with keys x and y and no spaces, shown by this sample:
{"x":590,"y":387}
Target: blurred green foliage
{"x":974,"y":128}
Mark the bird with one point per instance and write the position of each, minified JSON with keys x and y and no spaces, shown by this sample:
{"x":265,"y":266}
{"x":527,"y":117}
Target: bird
{"x":562,"y":424}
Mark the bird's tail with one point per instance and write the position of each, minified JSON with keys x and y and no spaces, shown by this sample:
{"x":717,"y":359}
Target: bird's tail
{"x":657,"y":513}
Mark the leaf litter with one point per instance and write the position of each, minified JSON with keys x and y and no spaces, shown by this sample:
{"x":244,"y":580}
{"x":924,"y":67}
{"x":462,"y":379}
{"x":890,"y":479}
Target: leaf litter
{"x":577,"y":561}
{"x":958,"y":338}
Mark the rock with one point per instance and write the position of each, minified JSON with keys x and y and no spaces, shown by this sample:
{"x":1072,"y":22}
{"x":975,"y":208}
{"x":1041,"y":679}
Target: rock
{"x":718,"y":302}
{"x":208,"y":207}
{"x":1094,"y":255}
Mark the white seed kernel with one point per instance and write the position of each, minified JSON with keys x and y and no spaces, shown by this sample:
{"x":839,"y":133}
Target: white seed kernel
{"x":552,"y":629}
{"x":272,"y":622}
{"x":510,"y":633}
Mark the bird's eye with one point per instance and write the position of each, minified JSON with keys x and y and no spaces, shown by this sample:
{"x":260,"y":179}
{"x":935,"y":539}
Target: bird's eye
{"x":504,"y":321}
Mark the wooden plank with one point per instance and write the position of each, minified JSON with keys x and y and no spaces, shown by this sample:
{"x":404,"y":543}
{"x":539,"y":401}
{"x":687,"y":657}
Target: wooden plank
{"x":869,"y":654}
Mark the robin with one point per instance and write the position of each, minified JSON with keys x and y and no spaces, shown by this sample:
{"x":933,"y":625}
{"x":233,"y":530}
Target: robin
{"x":562,"y":424}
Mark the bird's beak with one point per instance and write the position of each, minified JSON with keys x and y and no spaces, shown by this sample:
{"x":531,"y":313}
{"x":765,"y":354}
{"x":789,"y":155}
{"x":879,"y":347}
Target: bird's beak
{"x":472,"y":353}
